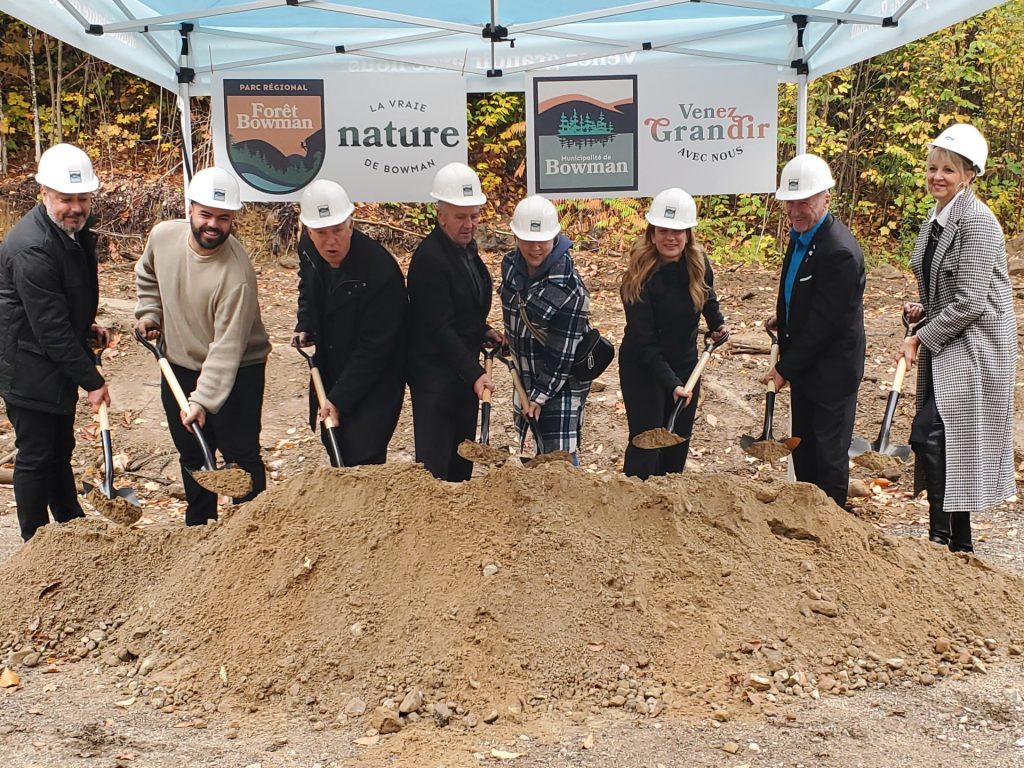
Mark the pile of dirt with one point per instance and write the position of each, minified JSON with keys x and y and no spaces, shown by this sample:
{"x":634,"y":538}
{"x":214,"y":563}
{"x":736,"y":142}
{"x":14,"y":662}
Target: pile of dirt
{"x":520,"y":591}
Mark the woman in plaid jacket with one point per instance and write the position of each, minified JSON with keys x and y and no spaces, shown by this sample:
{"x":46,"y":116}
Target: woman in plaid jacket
{"x":667,"y":286}
{"x":545,"y":306}
{"x":963,"y":431}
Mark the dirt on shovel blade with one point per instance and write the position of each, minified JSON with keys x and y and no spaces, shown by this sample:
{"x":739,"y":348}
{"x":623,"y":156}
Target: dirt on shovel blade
{"x":878,"y":462}
{"x":768,"y":450}
{"x":117,"y":509}
{"x":657,"y":438}
{"x":479,"y":453}
{"x":548,"y":458}
{"x":232,"y":482}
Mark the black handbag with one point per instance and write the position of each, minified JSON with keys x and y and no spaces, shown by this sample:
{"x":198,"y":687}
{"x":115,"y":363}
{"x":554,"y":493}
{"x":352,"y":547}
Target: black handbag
{"x":593,"y":354}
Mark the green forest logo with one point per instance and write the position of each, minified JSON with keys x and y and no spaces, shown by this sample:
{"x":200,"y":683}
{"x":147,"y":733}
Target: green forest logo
{"x":275,"y":131}
{"x":585,"y":133}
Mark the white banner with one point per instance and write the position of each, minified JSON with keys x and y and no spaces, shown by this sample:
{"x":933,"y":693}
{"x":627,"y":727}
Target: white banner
{"x":381,"y":136}
{"x":709,"y":130}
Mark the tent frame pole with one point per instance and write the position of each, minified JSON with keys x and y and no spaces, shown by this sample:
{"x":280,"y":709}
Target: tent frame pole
{"x":185,"y":77}
{"x":801,"y":114}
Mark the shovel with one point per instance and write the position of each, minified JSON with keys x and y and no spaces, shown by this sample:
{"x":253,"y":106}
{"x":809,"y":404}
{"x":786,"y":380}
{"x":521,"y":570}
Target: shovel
{"x":118,"y":504}
{"x":863,"y":450}
{"x":329,"y":425}
{"x":229,"y":481}
{"x":541,"y":457}
{"x":765,"y":446}
{"x":666,"y":437}
{"x":483,"y":452}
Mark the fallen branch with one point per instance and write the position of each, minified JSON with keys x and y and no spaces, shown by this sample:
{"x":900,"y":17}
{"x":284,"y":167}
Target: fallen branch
{"x":8,"y":458}
{"x":6,"y":477}
{"x":389,"y":226}
{"x":740,"y":348}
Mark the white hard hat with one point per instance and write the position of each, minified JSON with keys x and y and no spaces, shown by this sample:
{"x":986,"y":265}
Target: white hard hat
{"x":965,"y":140}
{"x":804,"y":176}
{"x":458,"y":184}
{"x":67,"y":169}
{"x":535,"y":218}
{"x":216,"y":188}
{"x":673,"y":209}
{"x":324,"y":204}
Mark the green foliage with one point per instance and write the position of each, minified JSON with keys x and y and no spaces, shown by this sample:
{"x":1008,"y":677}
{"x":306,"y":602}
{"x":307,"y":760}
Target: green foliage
{"x":870,"y":121}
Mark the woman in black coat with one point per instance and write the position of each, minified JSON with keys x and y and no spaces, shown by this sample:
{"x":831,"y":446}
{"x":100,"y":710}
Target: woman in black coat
{"x":667,"y":286}
{"x":352,"y":305}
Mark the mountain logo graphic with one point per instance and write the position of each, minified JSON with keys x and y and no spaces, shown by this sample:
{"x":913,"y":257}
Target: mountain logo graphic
{"x":275,"y":132}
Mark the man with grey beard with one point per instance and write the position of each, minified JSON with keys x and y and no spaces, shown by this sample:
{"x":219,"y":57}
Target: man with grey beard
{"x":49,"y":293}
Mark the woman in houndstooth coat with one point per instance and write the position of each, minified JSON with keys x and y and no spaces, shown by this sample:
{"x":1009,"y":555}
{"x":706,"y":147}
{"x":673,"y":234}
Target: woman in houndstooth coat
{"x":966,"y":349}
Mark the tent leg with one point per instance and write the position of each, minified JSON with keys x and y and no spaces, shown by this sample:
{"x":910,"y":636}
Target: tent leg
{"x":801,"y":114}
{"x":185,"y":76}
{"x":185,"y":108}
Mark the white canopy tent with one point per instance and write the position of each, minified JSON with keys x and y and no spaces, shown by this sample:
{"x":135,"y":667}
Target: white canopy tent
{"x":177,"y":44}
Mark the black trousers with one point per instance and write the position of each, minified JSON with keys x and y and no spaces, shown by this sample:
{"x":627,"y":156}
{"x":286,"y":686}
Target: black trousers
{"x":648,"y":406}
{"x":364,"y":435}
{"x":440,"y":421}
{"x":825,"y":430}
{"x":42,"y":469}
{"x":928,"y":439}
{"x":234,"y":430}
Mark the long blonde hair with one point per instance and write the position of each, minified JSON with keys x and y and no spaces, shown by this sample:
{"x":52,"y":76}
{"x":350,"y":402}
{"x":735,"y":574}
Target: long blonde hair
{"x":644,"y":259}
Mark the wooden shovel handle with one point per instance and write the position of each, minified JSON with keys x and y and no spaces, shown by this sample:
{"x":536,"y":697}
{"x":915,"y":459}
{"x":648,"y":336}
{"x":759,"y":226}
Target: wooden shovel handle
{"x":524,"y":399}
{"x":697,"y":371}
{"x":104,"y":418}
{"x":172,"y":383}
{"x":488,"y":367}
{"x":321,"y":395}
{"x":773,"y":359}
{"x":901,"y":372}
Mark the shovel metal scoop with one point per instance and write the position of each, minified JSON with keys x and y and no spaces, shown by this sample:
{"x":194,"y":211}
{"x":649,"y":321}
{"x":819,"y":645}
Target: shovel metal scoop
{"x":483,"y":452}
{"x":542,"y":457}
{"x":666,"y":437}
{"x":859,"y":446}
{"x":118,"y":504}
{"x":228,"y":481}
{"x":765,"y":446}
{"x":329,"y":425}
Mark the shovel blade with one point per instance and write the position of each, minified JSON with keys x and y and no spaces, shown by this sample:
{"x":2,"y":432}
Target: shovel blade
{"x":901,"y":452}
{"x":548,"y":458}
{"x":128,"y":495}
{"x":748,"y":440}
{"x":653,"y":439}
{"x":481,"y":453}
{"x":858,"y":446}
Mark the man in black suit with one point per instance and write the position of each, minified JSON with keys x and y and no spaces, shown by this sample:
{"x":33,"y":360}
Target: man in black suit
{"x":449,"y":300}
{"x":352,"y":305}
{"x":48,"y":298}
{"x":820,"y":321}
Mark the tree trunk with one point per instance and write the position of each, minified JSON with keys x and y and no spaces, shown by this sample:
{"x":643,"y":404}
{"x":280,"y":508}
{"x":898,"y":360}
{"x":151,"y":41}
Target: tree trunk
{"x":53,"y":90}
{"x":34,"y":85}
{"x":60,"y":90}
{"x":3,"y":137}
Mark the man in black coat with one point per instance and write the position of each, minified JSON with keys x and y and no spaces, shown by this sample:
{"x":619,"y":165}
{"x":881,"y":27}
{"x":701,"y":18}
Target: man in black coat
{"x":49,"y":293}
{"x":820,"y":322}
{"x":450,"y":298}
{"x":353,"y":306}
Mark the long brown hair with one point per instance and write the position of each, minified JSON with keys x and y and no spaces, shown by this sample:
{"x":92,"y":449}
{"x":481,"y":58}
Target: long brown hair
{"x":644,"y":259}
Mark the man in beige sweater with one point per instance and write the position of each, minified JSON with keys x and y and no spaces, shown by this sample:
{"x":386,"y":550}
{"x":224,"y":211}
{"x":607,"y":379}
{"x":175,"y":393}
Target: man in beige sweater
{"x":197,"y":293}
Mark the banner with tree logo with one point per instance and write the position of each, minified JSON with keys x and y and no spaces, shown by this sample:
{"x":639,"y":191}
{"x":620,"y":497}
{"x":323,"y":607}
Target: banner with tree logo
{"x":381,"y":136}
{"x":709,"y":130}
